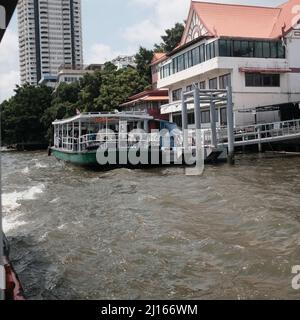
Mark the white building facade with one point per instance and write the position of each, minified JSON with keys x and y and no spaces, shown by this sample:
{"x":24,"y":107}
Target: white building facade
{"x":253,"y":49}
{"x":50,"y":35}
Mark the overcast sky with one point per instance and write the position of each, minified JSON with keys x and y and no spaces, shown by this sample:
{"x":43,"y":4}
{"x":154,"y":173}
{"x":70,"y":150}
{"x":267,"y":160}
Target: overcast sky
{"x":110,"y":28}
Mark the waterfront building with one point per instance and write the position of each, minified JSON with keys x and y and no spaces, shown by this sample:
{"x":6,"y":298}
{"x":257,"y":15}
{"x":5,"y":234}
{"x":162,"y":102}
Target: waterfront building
{"x":67,"y":74}
{"x":124,"y":62}
{"x":49,"y":35}
{"x":148,"y":101}
{"x":253,"y":49}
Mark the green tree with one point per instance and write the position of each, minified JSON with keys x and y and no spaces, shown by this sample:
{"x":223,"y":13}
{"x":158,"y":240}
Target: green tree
{"x":117,"y":87}
{"x":171,"y":38}
{"x":143,"y":60}
{"x":90,"y":86}
{"x":21,"y":115}
{"x":64,"y":102}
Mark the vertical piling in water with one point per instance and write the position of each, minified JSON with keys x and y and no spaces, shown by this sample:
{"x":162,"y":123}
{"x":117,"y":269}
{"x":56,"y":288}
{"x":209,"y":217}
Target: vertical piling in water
{"x":79,"y":136}
{"x":213,"y":124}
{"x":259,"y":139}
{"x":230,"y":126}
{"x":146,"y":125}
{"x":184,"y":117}
{"x":197,"y":108}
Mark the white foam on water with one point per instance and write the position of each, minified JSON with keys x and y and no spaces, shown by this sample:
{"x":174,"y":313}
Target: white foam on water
{"x":61,"y":227}
{"x":12,"y":223}
{"x":11,"y":202}
{"x":25,"y":170}
{"x":40,"y":165}
{"x":55,"y":200}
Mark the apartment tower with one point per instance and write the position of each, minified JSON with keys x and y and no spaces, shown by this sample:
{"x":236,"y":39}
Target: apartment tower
{"x":50,"y":36}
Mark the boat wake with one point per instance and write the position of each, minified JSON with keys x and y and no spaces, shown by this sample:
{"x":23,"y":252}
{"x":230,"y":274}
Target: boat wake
{"x":11,"y":202}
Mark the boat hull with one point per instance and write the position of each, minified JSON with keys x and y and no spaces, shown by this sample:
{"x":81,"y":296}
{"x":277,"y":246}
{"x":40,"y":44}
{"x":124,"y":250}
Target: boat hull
{"x":78,"y":158}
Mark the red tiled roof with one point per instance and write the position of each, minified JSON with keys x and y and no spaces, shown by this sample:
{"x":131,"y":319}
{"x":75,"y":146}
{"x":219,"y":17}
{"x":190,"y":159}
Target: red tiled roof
{"x":158,"y":56}
{"x":232,"y":20}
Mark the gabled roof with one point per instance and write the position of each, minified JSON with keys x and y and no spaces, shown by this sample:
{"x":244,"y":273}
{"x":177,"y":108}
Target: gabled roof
{"x":286,"y":17}
{"x":244,"y":21}
{"x":158,"y":57}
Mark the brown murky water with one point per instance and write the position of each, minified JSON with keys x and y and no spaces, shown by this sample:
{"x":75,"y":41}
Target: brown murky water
{"x":232,"y":233}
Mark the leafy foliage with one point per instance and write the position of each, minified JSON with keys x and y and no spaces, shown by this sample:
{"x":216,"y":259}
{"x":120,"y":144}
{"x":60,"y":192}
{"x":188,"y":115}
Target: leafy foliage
{"x":171,"y":39}
{"x":143,"y":60}
{"x":21,"y":116}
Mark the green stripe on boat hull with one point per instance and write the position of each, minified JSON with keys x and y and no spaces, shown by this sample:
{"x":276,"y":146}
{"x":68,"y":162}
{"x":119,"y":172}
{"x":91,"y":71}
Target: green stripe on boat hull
{"x":83,"y":158}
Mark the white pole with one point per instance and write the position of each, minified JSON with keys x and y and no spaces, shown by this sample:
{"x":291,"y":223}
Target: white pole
{"x":184,"y":121}
{"x":230,"y":126}
{"x":68,"y":136}
{"x":79,"y":136}
{"x":213,"y":123}
{"x":73,"y":133}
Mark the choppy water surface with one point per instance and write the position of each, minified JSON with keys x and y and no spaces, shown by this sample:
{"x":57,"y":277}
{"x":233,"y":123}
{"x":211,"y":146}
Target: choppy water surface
{"x":232,"y":233}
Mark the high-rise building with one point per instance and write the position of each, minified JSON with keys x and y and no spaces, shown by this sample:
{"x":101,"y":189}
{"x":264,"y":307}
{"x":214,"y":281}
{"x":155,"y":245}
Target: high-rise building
{"x":50,"y":35}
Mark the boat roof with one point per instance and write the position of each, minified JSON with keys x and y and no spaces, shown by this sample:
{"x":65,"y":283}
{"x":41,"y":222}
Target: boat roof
{"x":95,"y":115}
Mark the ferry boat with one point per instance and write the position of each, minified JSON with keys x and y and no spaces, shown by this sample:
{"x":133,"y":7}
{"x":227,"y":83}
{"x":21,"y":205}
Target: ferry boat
{"x":77,"y":139}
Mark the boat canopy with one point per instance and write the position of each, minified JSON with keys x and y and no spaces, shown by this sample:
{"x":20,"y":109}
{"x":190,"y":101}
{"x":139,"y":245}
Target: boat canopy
{"x":97,"y":116}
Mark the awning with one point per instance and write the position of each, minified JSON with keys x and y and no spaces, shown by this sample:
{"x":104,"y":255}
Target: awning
{"x":147,"y":98}
{"x":264,"y":70}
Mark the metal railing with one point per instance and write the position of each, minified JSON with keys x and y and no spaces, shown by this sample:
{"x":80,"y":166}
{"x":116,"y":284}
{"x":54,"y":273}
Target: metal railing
{"x":252,"y":134}
{"x":106,"y":140}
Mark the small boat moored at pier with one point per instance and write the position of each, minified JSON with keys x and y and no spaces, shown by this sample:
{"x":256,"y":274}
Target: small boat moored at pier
{"x":78,"y":139}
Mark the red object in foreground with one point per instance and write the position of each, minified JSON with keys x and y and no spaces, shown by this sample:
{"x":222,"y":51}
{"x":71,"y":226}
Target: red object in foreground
{"x":14,"y":290}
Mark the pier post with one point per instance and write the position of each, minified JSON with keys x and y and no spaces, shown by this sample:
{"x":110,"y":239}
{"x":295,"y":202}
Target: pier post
{"x":79,"y":136}
{"x":184,"y":117}
{"x":213,"y":124}
{"x":230,"y":126}
{"x":259,"y":139}
{"x":197,"y":109}
{"x":146,"y":126}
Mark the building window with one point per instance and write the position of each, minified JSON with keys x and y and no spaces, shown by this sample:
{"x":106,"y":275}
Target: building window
{"x":253,"y":49}
{"x":205,"y":116}
{"x":223,"y":116}
{"x":189,"y":59}
{"x":191,"y":118}
{"x":225,"y":81}
{"x":212,"y":50}
{"x":262,"y":80}
{"x":196,"y":56}
{"x":189,"y":88}
{"x":225,"y":48}
{"x":177,"y":119}
{"x":176,"y":94}
{"x":213,"y":83}
{"x":181,"y":63}
{"x":202,"y":85}
{"x":165,"y":71}
{"x":202,"y":53}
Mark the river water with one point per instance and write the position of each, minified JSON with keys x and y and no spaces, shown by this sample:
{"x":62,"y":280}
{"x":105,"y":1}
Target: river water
{"x":232,"y":233}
